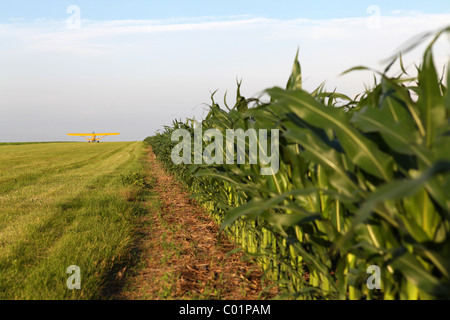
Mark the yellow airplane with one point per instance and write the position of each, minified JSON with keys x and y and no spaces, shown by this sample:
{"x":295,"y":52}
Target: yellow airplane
{"x":93,"y":137}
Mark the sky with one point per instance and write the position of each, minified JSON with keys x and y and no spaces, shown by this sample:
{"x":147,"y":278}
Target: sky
{"x":134,"y":66}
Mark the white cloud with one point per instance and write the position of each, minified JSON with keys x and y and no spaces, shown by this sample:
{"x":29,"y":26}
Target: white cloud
{"x":162,"y":69}
{"x":96,"y":37}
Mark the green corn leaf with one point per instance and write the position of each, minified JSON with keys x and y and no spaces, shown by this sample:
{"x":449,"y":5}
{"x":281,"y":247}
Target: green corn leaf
{"x":258,"y":206}
{"x":414,"y":271}
{"x":447,"y":93}
{"x":397,"y":136}
{"x":318,"y":151}
{"x":361,"y":150}
{"x":393,"y":190}
{"x":437,"y":258}
{"x":295,"y":80}
{"x":430,"y":103}
{"x":314,"y":263}
{"x":392,"y":103}
{"x":279,"y":221}
{"x":402,"y":94}
{"x":439,"y":189}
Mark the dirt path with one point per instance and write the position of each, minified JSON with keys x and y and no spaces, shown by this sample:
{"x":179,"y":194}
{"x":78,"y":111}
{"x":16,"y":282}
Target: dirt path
{"x":180,"y":254}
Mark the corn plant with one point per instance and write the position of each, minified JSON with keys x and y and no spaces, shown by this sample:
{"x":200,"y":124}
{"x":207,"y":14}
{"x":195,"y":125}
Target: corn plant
{"x":362,"y":182}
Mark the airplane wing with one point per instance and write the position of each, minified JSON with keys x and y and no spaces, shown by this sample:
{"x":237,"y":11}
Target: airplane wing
{"x":92,"y":134}
{"x":80,"y":134}
{"x":102,"y":135}
{"x":106,"y":134}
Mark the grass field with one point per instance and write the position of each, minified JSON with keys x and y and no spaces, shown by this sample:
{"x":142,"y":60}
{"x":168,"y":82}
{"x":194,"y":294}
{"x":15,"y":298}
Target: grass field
{"x":65,"y":204}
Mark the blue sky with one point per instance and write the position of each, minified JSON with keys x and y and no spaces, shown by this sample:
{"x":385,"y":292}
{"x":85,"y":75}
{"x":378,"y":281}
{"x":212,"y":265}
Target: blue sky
{"x":134,"y":66}
{"x":165,"y":9}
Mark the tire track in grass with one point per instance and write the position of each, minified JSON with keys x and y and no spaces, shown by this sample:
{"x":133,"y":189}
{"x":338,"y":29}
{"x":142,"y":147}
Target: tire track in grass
{"x":30,"y":178}
{"x":48,"y":186}
{"x":50,"y":228}
{"x":180,"y":254}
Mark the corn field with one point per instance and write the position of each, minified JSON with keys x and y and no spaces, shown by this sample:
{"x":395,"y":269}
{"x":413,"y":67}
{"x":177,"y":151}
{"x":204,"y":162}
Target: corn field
{"x":361,"y":182}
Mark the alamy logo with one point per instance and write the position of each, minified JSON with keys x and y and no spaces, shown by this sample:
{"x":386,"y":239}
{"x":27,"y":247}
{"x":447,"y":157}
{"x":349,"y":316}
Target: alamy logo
{"x":235,"y":143}
{"x":374,"y":280}
{"x":74,"y":281}
{"x":374,"y":20}
{"x":74,"y":20}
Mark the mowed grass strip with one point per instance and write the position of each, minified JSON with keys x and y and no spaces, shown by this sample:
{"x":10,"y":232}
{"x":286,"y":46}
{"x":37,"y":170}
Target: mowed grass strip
{"x":72,"y":211}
